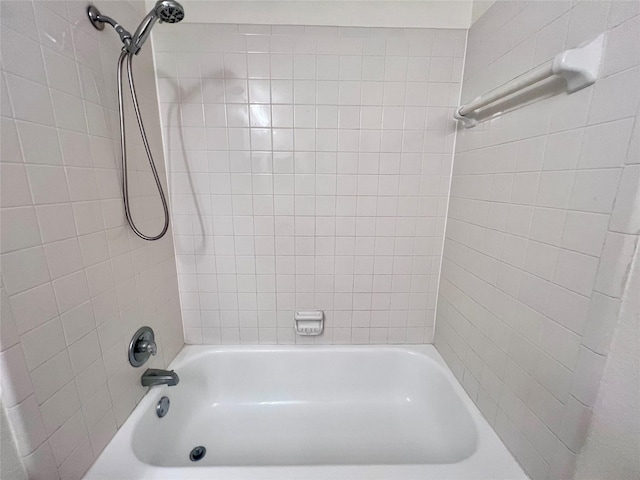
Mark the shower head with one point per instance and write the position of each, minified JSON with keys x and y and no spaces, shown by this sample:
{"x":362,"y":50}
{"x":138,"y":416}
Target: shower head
{"x":168,"y":11}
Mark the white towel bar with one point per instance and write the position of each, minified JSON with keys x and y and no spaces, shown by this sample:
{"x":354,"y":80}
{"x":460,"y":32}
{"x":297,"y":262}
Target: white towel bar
{"x":578,"y":66}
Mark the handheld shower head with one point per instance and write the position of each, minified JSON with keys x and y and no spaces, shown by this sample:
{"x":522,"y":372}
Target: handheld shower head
{"x":168,"y":11}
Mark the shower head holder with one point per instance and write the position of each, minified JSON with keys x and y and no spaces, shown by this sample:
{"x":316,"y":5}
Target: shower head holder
{"x":98,"y":20}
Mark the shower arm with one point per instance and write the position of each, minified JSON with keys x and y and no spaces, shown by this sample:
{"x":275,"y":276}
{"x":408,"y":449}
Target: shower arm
{"x":98,"y":20}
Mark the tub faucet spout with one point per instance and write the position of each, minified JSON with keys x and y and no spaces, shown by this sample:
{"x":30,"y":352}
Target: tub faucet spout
{"x":155,"y":376}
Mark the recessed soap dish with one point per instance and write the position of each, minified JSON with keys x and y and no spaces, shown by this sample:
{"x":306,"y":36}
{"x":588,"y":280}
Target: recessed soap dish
{"x":310,"y":322}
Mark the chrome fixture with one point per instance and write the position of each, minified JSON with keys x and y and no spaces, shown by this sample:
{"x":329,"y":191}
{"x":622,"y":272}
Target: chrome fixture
{"x":197,"y":453}
{"x":167,"y":11}
{"x":162,"y":407}
{"x":155,"y":376}
{"x":142,"y":346}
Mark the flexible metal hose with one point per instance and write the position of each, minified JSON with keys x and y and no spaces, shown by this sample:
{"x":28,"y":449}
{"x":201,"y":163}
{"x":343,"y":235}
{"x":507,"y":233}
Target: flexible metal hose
{"x":123,"y":144}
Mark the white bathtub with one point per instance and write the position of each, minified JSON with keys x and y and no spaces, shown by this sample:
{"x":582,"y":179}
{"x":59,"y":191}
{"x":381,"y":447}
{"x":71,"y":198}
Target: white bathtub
{"x":311,"y":412}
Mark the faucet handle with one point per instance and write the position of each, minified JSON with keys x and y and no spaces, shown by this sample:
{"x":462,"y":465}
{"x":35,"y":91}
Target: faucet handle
{"x":142,"y":346}
{"x":146,"y":346}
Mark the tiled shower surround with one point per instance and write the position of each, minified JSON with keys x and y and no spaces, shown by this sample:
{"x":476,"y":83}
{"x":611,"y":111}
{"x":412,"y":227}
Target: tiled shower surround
{"x":541,"y":229}
{"x":76,"y":283}
{"x":309,"y":168}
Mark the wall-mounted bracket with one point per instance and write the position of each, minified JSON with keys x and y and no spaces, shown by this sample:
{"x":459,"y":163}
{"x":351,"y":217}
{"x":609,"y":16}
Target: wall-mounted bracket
{"x":580,"y":66}
{"x":468,"y":122}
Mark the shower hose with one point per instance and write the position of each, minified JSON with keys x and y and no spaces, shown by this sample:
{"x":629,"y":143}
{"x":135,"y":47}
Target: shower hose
{"x":125,"y":55}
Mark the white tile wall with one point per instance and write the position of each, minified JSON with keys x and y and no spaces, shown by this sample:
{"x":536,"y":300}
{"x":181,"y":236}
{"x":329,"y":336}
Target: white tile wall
{"x":309,"y":169}
{"x":75,"y":282}
{"x":541,"y":228}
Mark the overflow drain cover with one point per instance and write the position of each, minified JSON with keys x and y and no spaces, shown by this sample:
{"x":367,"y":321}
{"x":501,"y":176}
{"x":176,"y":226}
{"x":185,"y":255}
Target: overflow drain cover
{"x":162,"y":408}
{"x":197,"y":453}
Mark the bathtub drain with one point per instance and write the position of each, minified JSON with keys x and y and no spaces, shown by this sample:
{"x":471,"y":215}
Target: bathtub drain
{"x":197,"y":453}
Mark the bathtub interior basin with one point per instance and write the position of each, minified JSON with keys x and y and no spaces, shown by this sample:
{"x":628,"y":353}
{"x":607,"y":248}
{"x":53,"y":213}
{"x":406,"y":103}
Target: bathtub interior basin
{"x":286,"y":407}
